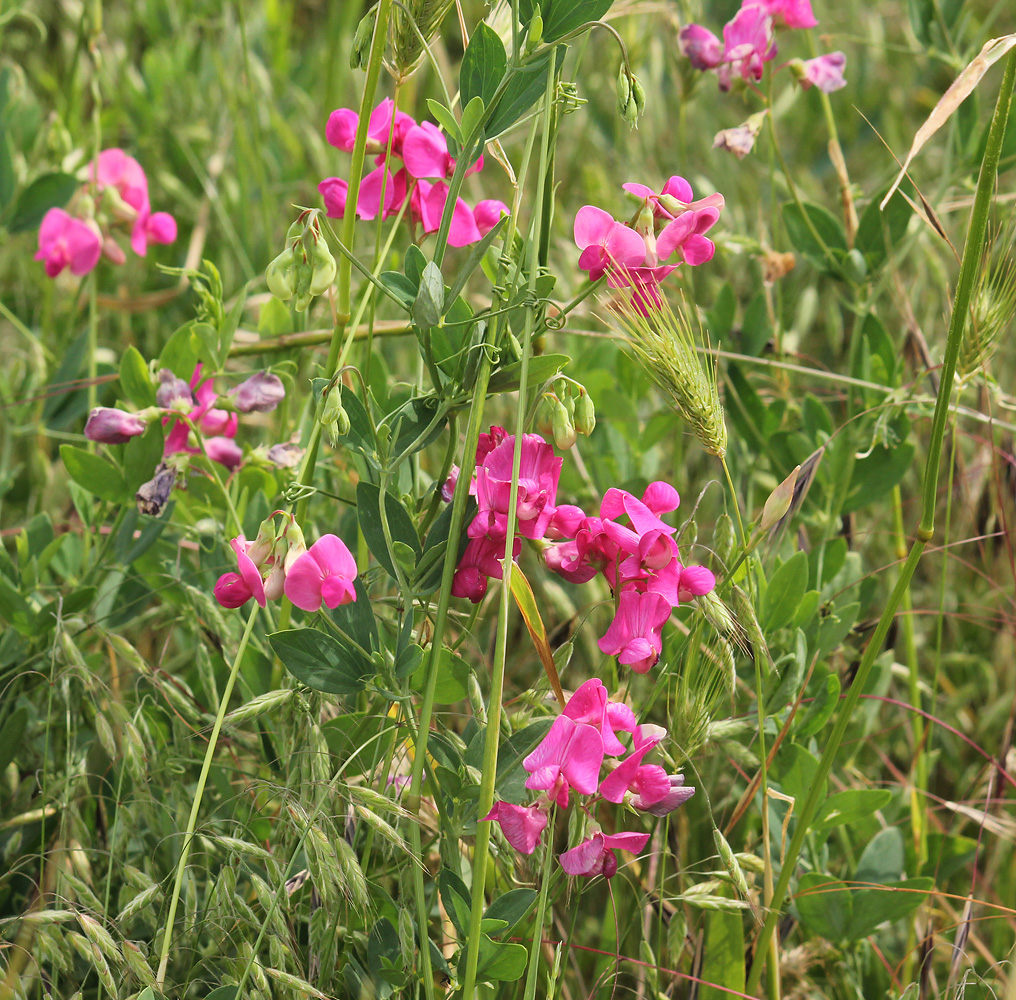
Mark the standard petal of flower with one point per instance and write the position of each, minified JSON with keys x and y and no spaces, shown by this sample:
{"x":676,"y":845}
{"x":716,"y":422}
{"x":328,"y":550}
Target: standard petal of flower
{"x":340,"y":131}
{"x":425,"y":152}
{"x":586,"y":858}
{"x":333,"y":191}
{"x":522,"y":825}
{"x":592,"y":225}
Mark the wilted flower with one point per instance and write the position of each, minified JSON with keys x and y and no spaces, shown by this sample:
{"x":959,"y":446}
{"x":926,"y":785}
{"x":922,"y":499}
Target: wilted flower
{"x":824,"y":72}
{"x":521,"y":825}
{"x":260,"y":393}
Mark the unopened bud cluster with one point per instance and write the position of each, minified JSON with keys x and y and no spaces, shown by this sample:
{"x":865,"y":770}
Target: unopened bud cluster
{"x":565,"y":413}
{"x":306,"y":268}
{"x":631,"y":98}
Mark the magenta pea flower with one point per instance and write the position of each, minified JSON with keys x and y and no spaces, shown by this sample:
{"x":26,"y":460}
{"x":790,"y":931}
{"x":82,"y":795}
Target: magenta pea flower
{"x":634,"y":636}
{"x":108,"y":425}
{"x":649,"y":781}
{"x":790,"y":13}
{"x":233,"y":590}
{"x":677,"y":794}
{"x":824,"y":72}
{"x":590,"y":705}
{"x":481,"y":561}
{"x":324,"y":573}
{"x":747,"y":44}
{"x":260,"y":393}
{"x":152,"y":227}
{"x":605,"y":244}
{"x":340,"y":131}
{"x":595,"y":856}
{"x":700,"y":46}
{"x":488,"y":214}
{"x":521,"y":825}
{"x":113,"y":168}
{"x":569,"y":756}
{"x":68,"y":242}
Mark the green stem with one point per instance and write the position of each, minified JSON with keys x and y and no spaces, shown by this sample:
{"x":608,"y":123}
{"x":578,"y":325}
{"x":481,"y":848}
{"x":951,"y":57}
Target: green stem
{"x":541,"y":907}
{"x":199,"y":791}
{"x":973,"y":248}
{"x":492,"y":734}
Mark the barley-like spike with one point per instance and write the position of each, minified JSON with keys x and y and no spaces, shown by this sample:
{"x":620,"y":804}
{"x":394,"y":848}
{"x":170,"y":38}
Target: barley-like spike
{"x":414,"y":25}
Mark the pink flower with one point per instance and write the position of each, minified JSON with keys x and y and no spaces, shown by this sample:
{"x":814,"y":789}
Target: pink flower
{"x":427,"y":205}
{"x":325,"y":572}
{"x":343,"y":122}
{"x":488,"y":214}
{"x":333,"y":190}
{"x":219,"y":426}
{"x":595,"y":856}
{"x":233,"y":590}
{"x":605,"y":244}
{"x":634,"y":636}
{"x":700,"y":46}
{"x":590,"y":704}
{"x":521,"y":825}
{"x":260,"y":393}
{"x":748,"y":43}
{"x":68,"y":242}
{"x":149,"y":227}
{"x":824,"y":72}
{"x":111,"y":426}
{"x":677,"y":794}
{"x":649,"y":781}
{"x":223,"y":450}
{"x":792,"y":13}
{"x":569,"y":756}
{"x":114,"y":168}
{"x":539,"y":471}
{"x":425,"y":151}
{"x":480,"y":561}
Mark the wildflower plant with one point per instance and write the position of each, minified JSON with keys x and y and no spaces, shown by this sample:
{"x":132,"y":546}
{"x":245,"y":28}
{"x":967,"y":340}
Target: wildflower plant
{"x":392,"y":631}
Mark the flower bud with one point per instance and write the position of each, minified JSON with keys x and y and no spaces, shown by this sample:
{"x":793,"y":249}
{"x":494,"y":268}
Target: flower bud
{"x":297,"y":545}
{"x":623,"y":92}
{"x":330,"y":406}
{"x":545,"y":415}
{"x":585,"y":414}
{"x":173,"y":391}
{"x":563,"y":428}
{"x":304,"y":275}
{"x":260,"y":393}
{"x":535,"y":33}
{"x":262,"y":546}
{"x":639,"y":96}
{"x":279,"y":275}
{"x":108,"y":425}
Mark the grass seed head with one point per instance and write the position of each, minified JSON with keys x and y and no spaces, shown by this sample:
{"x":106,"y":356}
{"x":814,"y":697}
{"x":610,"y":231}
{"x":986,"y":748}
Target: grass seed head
{"x":665,"y":344}
{"x":414,"y":25}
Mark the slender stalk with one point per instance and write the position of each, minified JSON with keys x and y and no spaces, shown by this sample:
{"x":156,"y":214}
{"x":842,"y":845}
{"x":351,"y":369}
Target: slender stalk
{"x":541,"y":907}
{"x":492,"y":733}
{"x":973,"y":248}
{"x":199,"y":791}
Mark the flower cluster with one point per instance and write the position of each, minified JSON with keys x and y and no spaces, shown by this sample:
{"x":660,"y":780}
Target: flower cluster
{"x":570,"y":758}
{"x":539,"y":471}
{"x":191,"y":406}
{"x":427,"y":165}
{"x":635,"y":253}
{"x":115,"y":196}
{"x":628,"y":542}
{"x":279,"y":562}
{"x":748,"y":43}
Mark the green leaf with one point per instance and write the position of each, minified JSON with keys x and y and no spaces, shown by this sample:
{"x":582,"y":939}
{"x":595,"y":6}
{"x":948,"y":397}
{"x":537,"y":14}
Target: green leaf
{"x":274,"y":319}
{"x":400,"y":524}
{"x":819,"y":710}
{"x":893,"y":902}
{"x":428,"y":306}
{"x":414,"y":264}
{"x":400,"y":286}
{"x":875,"y":475}
{"x":45,"y":192}
{"x":784,"y":593}
{"x":430,"y":566}
{"x":227,"y":328}
{"x":135,"y":380}
{"x":797,"y":771}
{"x":562,"y":16}
{"x":723,"y":966}
{"x":219,"y":993}
{"x":476,"y":253}
{"x":541,"y":368}
{"x":180,"y":353}
{"x":142,"y":454}
{"x":6,"y":170}
{"x":483,"y":66}
{"x":882,"y":860}
{"x":879,"y":231}
{"x":318,"y":660}
{"x":500,"y":962}
{"x":10,"y":735}
{"x":851,"y":806}
{"x":95,"y":474}
{"x":828,"y":228}
{"x":455,"y":898}
{"x":834,"y":627}
{"x":523,"y":90}
{"x":356,"y":619}
{"x":512,"y":906}
{"x":452,"y":678}
{"x":445,"y":119}
{"x":825,"y":905}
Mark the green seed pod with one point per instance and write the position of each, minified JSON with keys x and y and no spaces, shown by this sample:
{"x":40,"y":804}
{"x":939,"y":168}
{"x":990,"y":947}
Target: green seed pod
{"x":342,"y":424}
{"x":279,"y":275}
{"x":585,"y":414}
